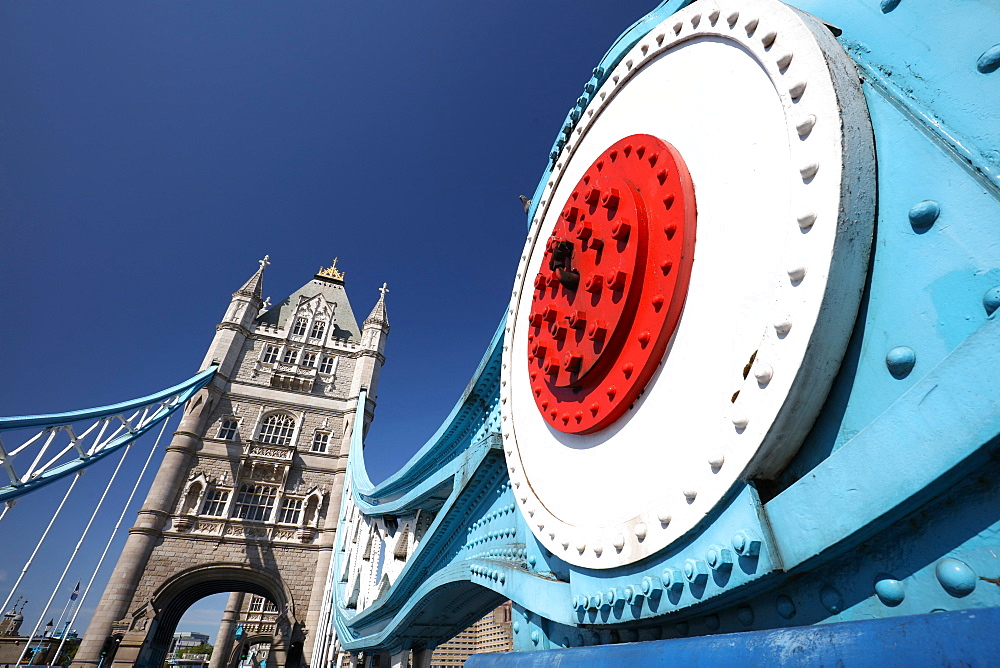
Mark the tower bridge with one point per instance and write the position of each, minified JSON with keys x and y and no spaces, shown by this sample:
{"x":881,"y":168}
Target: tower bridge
{"x":744,"y":395}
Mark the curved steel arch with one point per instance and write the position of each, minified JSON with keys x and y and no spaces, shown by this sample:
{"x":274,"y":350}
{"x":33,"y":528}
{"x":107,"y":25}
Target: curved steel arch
{"x":57,"y":443}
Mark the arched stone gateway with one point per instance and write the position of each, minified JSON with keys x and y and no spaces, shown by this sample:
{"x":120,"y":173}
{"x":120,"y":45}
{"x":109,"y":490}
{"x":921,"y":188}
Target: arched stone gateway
{"x":153,"y":625}
{"x":247,"y":497}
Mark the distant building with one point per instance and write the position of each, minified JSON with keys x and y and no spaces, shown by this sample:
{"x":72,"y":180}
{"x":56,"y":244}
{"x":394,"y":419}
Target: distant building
{"x":184,"y":640}
{"x":492,"y":633}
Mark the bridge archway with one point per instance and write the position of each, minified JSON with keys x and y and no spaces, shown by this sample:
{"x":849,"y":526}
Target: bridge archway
{"x":153,"y":625}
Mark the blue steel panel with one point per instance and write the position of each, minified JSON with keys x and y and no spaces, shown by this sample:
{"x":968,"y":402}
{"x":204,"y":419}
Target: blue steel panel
{"x":966,"y":638}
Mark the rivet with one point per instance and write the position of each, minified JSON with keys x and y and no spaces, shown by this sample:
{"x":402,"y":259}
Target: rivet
{"x":740,"y":421}
{"x":640,"y":531}
{"x":598,"y":550}
{"x":809,"y":171}
{"x":890,"y":591}
{"x":619,"y":542}
{"x":744,"y":613}
{"x":806,"y":220}
{"x":678,"y":27}
{"x":695,"y":20}
{"x":783,"y":63}
{"x":805,"y":126}
{"x":732,"y":19}
{"x":664,"y":517}
{"x":785,"y":607}
{"x":889,"y":5}
{"x":581,"y":547}
{"x":717,"y":460}
{"x":831,"y":599}
{"x":516,"y":626}
{"x":535,"y":637}
{"x":990,"y":60}
{"x":796,"y":274}
{"x":923,"y":214}
{"x":644,"y":338}
{"x":782,"y":327}
{"x":797,"y":90}
{"x":956,"y":577}
{"x":690,"y":494}
{"x":991,"y":300}
{"x":712,"y":622}
{"x":763,"y":372}
{"x":768,"y":39}
{"x":900,"y":361}
{"x":714,"y":16}
{"x":751,"y":26}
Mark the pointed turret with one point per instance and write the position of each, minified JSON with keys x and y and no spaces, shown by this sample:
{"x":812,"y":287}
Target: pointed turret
{"x":378,"y":315}
{"x":254,"y":286}
{"x":238,"y":322}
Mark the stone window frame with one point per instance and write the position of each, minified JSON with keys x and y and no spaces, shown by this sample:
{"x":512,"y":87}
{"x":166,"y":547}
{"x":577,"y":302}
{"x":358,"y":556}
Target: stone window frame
{"x":318,"y":329}
{"x":272,"y":433}
{"x":308,"y":359}
{"x":254,"y":502}
{"x":290,"y":510}
{"x":321,"y":445}
{"x":329,"y":364}
{"x":215,"y":499}
{"x":271,"y":353}
{"x":229,"y":428}
{"x":291,"y":356}
{"x":299,"y":326}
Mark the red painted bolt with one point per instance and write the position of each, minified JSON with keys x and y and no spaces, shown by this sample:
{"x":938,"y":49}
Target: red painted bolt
{"x":577,"y":319}
{"x":550,"y":314}
{"x":584,"y":231}
{"x":620,"y":230}
{"x":595,"y":408}
{"x":554,"y":277}
{"x":597,"y":331}
{"x":612,"y":391}
{"x":571,"y":362}
{"x":595,"y":243}
{"x":610,"y":199}
{"x":593,"y":196}
{"x":616,"y":279}
{"x":627,"y":369}
{"x":570,"y":214}
{"x":540,"y":281}
{"x":535,"y":319}
{"x":594,"y":283}
{"x":644,"y":338}
{"x":558,"y":331}
{"x":551,"y":366}
{"x":538,"y":350}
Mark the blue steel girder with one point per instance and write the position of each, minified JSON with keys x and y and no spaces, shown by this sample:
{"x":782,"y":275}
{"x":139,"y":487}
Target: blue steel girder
{"x":59,"y":444}
{"x":887,"y":509}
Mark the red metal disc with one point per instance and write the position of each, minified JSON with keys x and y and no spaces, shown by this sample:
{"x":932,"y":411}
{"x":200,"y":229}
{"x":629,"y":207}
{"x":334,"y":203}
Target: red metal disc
{"x":612,"y":285}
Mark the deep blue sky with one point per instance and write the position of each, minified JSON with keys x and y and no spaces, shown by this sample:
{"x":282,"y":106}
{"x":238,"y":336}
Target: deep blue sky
{"x":151,"y":153}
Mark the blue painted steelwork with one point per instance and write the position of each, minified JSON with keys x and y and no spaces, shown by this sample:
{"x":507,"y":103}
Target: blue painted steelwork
{"x":889,"y":507}
{"x":965,"y":638}
{"x":135,"y":418}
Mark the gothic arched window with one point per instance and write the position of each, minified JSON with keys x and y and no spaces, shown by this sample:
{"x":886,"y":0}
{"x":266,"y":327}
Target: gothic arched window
{"x":277,"y":429}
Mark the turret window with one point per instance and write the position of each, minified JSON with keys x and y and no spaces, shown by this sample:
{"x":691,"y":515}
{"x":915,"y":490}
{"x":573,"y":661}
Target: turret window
{"x":215,"y":503}
{"x":291,"y":355}
{"x":229,"y":431}
{"x":277,"y":429}
{"x":328,"y":365}
{"x":321,"y":441}
{"x":308,"y":360}
{"x":299,"y":328}
{"x":318,"y":329}
{"x":270,"y":355}
{"x":290,"y":510}
{"x":254,"y":502}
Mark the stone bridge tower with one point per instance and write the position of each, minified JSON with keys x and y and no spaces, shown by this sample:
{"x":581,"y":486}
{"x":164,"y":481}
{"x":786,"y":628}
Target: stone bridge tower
{"x":247,"y":498}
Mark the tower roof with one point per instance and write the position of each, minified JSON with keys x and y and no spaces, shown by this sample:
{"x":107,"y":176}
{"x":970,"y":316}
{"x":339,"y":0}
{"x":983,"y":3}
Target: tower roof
{"x":378,"y":315}
{"x":254,"y":286}
{"x":330,"y":284}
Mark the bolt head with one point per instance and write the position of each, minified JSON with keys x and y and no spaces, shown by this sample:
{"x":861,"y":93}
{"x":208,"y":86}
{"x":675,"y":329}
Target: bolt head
{"x":746,"y":543}
{"x":695,"y":571}
{"x":719,"y":558}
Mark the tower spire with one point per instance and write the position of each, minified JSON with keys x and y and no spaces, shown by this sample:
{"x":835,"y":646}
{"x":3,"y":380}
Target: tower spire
{"x":378,"y":315}
{"x":254,"y":286}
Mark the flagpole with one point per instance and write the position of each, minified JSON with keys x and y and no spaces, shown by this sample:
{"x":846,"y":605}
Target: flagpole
{"x":62,"y":641}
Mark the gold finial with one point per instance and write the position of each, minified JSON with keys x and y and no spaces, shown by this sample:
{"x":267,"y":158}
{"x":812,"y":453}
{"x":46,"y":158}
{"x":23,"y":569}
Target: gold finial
{"x":331,"y":272}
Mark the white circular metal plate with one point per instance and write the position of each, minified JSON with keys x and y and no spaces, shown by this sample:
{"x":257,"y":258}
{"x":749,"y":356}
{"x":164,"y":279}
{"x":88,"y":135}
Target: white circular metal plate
{"x":765,"y":108}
